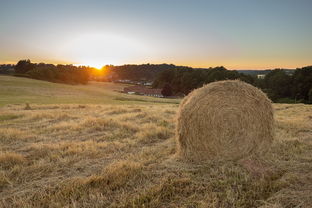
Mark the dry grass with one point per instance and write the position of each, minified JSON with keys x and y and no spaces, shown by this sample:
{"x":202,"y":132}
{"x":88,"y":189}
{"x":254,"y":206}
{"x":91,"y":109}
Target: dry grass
{"x":124,"y":156}
{"x":10,"y":159}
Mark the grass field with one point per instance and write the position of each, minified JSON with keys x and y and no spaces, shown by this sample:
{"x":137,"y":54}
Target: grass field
{"x":16,"y":90}
{"x":79,"y":146}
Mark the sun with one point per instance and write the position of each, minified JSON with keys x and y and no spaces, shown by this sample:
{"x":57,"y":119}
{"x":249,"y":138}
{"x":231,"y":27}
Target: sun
{"x":100,"y":48}
{"x":98,"y":67}
{"x":95,"y":65}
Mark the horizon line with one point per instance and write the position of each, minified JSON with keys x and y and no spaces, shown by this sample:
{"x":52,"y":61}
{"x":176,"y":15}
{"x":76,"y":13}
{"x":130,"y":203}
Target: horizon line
{"x":145,"y":63}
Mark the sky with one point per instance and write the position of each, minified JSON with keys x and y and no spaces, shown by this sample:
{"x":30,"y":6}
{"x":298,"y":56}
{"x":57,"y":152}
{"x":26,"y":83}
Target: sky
{"x":237,"y":34}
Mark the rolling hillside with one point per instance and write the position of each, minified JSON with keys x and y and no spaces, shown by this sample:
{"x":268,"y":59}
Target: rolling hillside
{"x":78,"y":146}
{"x":17,"y":90}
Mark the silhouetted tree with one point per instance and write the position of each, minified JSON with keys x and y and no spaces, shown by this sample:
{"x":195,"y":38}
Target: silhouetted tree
{"x":23,"y":66}
{"x":184,"y":80}
{"x":278,"y":84}
{"x":61,"y":73}
{"x":302,"y":83}
{"x":310,"y":96}
{"x":167,"y":90}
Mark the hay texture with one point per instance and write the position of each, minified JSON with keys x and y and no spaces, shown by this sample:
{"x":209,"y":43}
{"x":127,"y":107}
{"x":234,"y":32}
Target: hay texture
{"x":224,"y":120}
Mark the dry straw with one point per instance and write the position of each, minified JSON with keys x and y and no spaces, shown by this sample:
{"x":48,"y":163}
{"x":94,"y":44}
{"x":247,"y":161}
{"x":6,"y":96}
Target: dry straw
{"x":27,"y":107}
{"x":224,"y":120}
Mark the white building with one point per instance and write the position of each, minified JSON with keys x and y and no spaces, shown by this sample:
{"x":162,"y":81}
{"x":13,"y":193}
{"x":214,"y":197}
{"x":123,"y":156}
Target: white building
{"x":260,"y":76}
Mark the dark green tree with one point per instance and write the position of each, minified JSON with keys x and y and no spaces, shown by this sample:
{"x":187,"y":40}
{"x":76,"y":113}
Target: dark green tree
{"x":310,"y":96}
{"x":167,"y":90}
{"x":302,"y":83}
{"x":277,"y":84}
{"x":24,"y":66}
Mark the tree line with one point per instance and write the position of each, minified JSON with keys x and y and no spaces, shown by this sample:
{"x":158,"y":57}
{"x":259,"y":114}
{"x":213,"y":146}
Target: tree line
{"x":6,"y":68}
{"x":147,"y":72}
{"x":183,"y":81}
{"x":279,"y":85}
{"x":289,"y":88}
{"x":55,"y":73}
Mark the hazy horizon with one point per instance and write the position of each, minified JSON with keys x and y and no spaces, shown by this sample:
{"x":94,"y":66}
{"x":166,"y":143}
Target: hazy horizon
{"x":102,"y":66}
{"x":237,"y":35}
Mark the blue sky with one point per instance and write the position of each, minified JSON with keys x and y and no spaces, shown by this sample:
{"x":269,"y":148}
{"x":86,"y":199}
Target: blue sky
{"x":238,"y":34}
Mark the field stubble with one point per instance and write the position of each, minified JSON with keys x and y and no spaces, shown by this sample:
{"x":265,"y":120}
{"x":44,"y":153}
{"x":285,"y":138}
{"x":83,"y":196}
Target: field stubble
{"x":123,"y":156}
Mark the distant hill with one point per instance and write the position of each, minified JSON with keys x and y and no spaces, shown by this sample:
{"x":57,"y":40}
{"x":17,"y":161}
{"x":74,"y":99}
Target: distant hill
{"x":20,"y":90}
{"x":265,"y":71}
{"x":6,"y":69}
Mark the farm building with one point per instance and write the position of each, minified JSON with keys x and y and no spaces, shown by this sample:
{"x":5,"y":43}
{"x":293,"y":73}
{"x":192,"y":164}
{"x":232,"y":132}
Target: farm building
{"x":261,"y":76}
{"x":141,"y":90}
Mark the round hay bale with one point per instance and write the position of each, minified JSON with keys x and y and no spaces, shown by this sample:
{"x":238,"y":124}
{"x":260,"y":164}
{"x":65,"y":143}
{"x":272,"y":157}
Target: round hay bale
{"x":224,"y":120}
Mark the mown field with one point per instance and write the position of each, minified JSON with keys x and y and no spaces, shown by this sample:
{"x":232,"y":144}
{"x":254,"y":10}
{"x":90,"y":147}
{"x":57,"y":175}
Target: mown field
{"x":79,"y":146}
{"x":17,"y":90}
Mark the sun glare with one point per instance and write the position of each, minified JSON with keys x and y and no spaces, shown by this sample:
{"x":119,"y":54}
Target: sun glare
{"x":97,"y":49}
{"x":95,"y":65}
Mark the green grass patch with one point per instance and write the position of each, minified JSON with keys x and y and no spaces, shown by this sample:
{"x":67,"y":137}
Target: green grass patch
{"x":5,"y":117}
{"x":20,"y":90}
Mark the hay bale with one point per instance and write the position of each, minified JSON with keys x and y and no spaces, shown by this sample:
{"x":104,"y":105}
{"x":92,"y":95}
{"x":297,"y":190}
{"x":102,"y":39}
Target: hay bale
{"x":224,"y":120}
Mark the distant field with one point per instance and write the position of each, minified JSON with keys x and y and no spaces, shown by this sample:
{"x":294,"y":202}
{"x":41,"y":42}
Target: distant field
{"x":17,"y":90}
{"x":100,"y":153}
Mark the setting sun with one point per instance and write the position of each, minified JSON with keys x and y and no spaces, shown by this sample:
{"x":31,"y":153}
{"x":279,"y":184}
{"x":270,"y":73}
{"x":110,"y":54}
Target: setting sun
{"x":97,"y":66}
{"x":97,"y":48}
